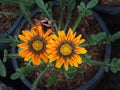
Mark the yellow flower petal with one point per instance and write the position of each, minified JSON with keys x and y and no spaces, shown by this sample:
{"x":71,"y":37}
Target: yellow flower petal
{"x":66,"y":64}
{"x":28,"y":56}
{"x":23,"y":45}
{"x":41,"y":32}
{"x":23,"y":52}
{"x":53,"y":57}
{"x":36,"y":60}
{"x":44,"y":58}
{"x":70,"y":35}
{"x":47,"y":33}
{"x":80,"y":50}
{"x":27,"y":34}
{"x":59,"y":63}
{"x":77,"y":39}
{"x":78,"y":59}
{"x":23,"y":38}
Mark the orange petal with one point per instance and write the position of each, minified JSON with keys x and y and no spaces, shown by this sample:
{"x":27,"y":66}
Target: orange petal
{"x":23,"y":45}
{"x":44,"y":58}
{"x":54,"y":37}
{"x":36,"y":60}
{"x":62,"y":35}
{"x":27,"y":34}
{"x":34,"y":32}
{"x":66,"y":65}
{"x":28,"y":56}
{"x":70,"y":62}
{"x":23,"y":38}
{"x":53,"y":57}
{"x":78,"y":59}
{"x":81,"y":41}
{"x":70,"y":35}
{"x":80,"y":50}
{"x":59,"y":63}
{"x":41,"y":32}
{"x":47,"y":33}
{"x":77,"y":39}
{"x":23,"y":52}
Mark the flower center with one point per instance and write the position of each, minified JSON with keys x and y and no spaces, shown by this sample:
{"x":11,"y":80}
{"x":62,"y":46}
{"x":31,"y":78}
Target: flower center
{"x":65,"y":49}
{"x":37,"y":45}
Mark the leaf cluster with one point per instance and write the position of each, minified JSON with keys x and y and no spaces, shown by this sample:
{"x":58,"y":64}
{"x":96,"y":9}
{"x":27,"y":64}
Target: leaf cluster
{"x":112,"y":65}
{"x":101,"y":38}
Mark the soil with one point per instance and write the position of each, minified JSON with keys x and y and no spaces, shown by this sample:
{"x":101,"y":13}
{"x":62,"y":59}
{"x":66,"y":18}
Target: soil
{"x":6,"y":21}
{"x":88,"y":26}
{"x":109,"y":3}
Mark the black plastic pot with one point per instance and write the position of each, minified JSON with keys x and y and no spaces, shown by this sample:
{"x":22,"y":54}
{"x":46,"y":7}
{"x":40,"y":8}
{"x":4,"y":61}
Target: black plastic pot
{"x":90,"y":84}
{"x":106,"y":10}
{"x":10,"y":31}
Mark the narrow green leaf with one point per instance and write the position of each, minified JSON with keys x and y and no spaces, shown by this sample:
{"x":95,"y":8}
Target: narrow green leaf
{"x":92,"y":4}
{"x":10,"y":13}
{"x":25,"y":12}
{"x":2,"y":69}
{"x":116,"y":36}
{"x":52,"y":81}
{"x":34,"y":85}
{"x":72,"y":70}
{"x":80,"y":70}
{"x":69,"y":75}
{"x":5,"y":55}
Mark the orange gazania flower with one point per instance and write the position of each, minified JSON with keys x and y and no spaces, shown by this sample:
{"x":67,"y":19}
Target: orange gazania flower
{"x":34,"y":44}
{"x":65,"y":49}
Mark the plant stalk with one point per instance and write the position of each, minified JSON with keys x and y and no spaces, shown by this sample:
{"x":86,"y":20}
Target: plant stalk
{"x":78,"y":20}
{"x":37,"y":79}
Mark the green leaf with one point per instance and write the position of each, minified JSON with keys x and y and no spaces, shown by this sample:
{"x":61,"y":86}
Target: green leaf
{"x":5,"y":55}
{"x":72,"y":70}
{"x":80,"y":70}
{"x":82,"y":4}
{"x":116,"y":36}
{"x":100,"y":36}
{"x":52,"y":81}
{"x":92,"y":4}
{"x":2,"y":69}
{"x":9,"y":13}
{"x":88,"y":12}
{"x":25,"y":12}
{"x":69,"y":75}
{"x":15,"y":75}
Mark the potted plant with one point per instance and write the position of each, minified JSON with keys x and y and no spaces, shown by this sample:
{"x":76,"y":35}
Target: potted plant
{"x":60,"y":52}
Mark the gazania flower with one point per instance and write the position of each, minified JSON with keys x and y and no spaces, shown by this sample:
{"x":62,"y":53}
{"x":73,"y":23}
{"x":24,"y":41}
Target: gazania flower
{"x":34,"y":44}
{"x":65,"y":49}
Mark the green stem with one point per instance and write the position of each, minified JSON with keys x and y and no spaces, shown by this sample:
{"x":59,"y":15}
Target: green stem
{"x":25,"y":12}
{"x":13,"y":56}
{"x":103,"y":64}
{"x":78,"y":20}
{"x":68,"y":20}
{"x":37,"y":79}
{"x":60,"y":19}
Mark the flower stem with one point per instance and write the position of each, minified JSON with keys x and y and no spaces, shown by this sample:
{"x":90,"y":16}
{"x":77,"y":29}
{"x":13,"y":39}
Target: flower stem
{"x":37,"y":79}
{"x":78,"y":20}
{"x":14,"y":55}
{"x":68,"y":20}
